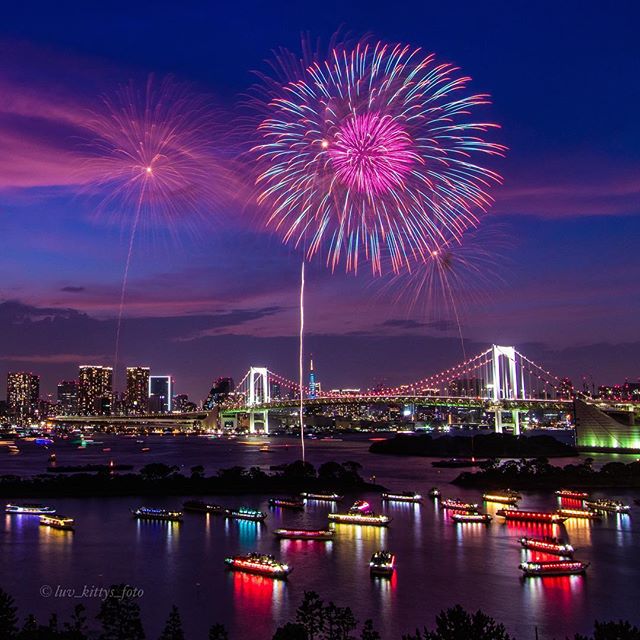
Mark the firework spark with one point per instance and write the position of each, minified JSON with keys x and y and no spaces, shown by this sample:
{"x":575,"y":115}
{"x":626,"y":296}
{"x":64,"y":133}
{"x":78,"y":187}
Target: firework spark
{"x":372,"y":154}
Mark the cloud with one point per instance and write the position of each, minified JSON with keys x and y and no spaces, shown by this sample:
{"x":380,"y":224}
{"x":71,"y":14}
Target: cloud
{"x":70,"y":289}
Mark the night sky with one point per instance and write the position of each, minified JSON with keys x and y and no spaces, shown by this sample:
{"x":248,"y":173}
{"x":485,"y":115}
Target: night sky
{"x":209,"y":297}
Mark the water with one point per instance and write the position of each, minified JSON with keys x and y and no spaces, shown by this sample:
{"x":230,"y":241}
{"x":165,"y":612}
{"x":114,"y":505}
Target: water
{"x":439,"y":564}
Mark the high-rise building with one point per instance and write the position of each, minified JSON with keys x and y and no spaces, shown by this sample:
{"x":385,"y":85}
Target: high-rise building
{"x":160,"y":394}
{"x":23,"y":394}
{"x":220,"y":390}
{"x":68,"y":397}
{"x":137,"y":396}
{"x":95,"y":390}
{"x":313,"y":392}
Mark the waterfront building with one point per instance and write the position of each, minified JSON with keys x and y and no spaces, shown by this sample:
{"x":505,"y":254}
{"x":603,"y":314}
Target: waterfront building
{"x":23,"y":394}
{"x":220,"y":390}
{"x":599,"y":431}
{"x":160,"y":394}
{"x":68,"y":397}
{"x":95,"y":390}
{"x":312,"y":382}
{"x":137,"y":394}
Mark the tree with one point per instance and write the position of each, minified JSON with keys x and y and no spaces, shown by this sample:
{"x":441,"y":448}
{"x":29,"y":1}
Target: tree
{"x":368,"y":632}
{"x":173,"y":627}
{"x":291,"y":631}
{"x":157,"y":471}
{"x":458,"y":624}
{"x":218,"y":632}
{"x":120,"y":616}
{"x":76,"y":628}
{"x":8,"y":616}
{"x":197,"y":471}
{"x":311,"y":614}
{"x":613,"y":631}
{"x":30,"y":629}
{"x":339,"y":623}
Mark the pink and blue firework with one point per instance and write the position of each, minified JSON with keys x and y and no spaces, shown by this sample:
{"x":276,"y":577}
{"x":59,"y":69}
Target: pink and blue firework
{"x":372,"y":154}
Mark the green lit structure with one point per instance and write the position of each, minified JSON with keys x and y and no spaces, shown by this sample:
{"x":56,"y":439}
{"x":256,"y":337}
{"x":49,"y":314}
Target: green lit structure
{"x":599,"y":431}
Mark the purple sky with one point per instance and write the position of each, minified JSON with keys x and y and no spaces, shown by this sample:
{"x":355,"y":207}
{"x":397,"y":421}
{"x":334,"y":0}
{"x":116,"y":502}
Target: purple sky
{"x":212,"y":295}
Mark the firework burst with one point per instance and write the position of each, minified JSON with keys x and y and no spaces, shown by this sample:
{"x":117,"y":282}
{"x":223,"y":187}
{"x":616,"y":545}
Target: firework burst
{"x":372,"y":154}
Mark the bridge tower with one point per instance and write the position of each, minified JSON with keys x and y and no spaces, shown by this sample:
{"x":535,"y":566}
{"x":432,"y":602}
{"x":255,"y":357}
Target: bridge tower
{"x":505,"y":384}
{"x":259,"y":394}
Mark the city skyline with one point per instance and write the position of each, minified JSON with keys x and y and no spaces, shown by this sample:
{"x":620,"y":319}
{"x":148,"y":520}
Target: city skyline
{"x":218,"y":294}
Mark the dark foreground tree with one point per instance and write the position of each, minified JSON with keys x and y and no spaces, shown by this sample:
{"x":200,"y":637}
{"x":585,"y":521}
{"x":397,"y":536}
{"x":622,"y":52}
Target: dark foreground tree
{"x":173,"y":627}
{"x":218,"y":632}
{"x":291,"y":631}
{"x":368,"y":632}
{"x":120,"y":616}
{"x":76,"y":628}
{"x":8,"y":616}
{"x":310,"y":614}
{"x":458,"y":624}
{"x":613,"y":631}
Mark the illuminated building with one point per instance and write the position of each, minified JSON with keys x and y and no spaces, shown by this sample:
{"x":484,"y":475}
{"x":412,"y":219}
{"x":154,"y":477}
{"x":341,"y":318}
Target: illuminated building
{"x":95,"y":390}
{"x":137,"y":396}
{"x":182,"y":404}
{"x":600,"y":431}
{"x":220,"y":390}
{"x":160,"y":394}
{"x":312,"y":381}
{"x":466,"y":387}
{"x":23,"y":394}
{"x":68,"y":397}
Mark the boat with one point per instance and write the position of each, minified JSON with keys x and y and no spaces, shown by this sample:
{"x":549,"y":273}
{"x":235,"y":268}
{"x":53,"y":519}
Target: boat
{"x":585,"y":514}
{"x":382,"y":563}
{"x":304,"y":534}
{"x":506,"y":497}
{"x":287,"y":503}
{"x":531,"y":516}
{"x":198,"y":506}
{"x":57,"y":522}
{"x":327,"y":497}
{"x":608,"y":506}
{"x":462,"y":518}
{"x":360,"y":513}
{"x":548,"y":545}
{"x":262,"y":564}
{"x":434,"y":492}
{"x":29,"y":509}
{"x":459,"y":505}
{"x":265,"y":448}
{"x":151,"y":513}
{"x":245,"y":513}
{"x":571,"y":493}
{"x":405,"y":496}
{"x":553,"y":568}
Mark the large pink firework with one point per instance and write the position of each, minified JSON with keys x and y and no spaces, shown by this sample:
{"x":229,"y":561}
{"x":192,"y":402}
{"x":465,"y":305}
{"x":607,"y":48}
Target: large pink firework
{"x":373,"y":153}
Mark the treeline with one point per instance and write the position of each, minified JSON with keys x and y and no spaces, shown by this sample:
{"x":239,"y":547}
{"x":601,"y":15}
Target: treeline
{"x":539,"y":473}
{"x":119,"y":618}
{"x":162,"y":479}
{"x":489,"y":445}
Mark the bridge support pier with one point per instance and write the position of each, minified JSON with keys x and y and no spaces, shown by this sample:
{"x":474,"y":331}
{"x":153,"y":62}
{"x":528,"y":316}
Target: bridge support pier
{"x":497,"y":420}
{"x":515,"y":416}
{"x":259,"y":421}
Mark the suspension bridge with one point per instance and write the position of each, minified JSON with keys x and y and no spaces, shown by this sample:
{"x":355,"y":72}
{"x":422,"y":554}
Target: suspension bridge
{"x":500,"y":380}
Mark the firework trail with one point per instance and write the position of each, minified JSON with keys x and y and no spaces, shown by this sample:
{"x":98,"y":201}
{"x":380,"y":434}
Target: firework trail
{"x":151,"y":159}
{"x":372,"y":155}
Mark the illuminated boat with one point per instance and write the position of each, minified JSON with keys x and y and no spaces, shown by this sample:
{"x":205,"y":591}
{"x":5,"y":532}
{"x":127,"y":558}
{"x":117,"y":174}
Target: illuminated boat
{"x":462,"y":518}
{"x":405,"y":496}
{"x":584,"y":514}
{"x":505,"y":497}
{"x":262,"y":564}
{"x":459,"y":505}
{"x":198,"y":506}
{"x":244,"y":513}
{"x":434,"y":492}
{"x":57,"y":522}
{"x":360,"y":513}
{"x":326,"y":497}
{"x":548,"y":545}
{"x":531,"y":516}
{"x":608,"y":506}
{"x":287,"y":503}
{"x":574,"y":495}
{"x":382,"y":563}
{"x":554,"y":568}
{"x":29,"y":509}
{"x":150,"y":513}
{"x":305,"y":534}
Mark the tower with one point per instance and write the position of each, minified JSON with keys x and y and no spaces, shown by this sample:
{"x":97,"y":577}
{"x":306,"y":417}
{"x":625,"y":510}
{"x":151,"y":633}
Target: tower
{"x":312,"y":381}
